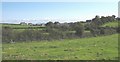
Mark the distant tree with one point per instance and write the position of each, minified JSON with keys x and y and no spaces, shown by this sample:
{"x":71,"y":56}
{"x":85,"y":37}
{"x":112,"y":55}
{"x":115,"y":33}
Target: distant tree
{"x":97,"y":20}
{"x":103,"y":19}
{"x":88,"y":20}
{"x":56,"y":23}
{"x":95,"y":31}
{"x":118,"y":29}
{"x":79,"y":28}
{"x":50,"y":24}
{"x":7,"y":34}
{"x":113,"y":16}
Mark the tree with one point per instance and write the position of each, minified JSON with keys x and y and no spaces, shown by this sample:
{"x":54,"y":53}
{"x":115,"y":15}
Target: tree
{"x":97,"y":20}
{"x":56,"y":25}
{"x":113,"y":16}
{"x":95,"y":31}
{"x":7,"y":34}
{"x":50,"y":24}
{"x":103,"y":19}
{"x":79,"y":28}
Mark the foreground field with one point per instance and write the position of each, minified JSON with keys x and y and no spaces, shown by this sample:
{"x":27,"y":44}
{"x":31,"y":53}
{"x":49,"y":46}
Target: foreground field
{"x":95,"y":48}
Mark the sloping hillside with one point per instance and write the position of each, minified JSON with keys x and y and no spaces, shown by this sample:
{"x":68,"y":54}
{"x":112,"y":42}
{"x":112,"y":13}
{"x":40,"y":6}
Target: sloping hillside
{"x":95,"y":48}
{"x":111,"y":24}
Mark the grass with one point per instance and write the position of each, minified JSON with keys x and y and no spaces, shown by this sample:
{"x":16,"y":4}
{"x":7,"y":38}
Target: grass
{"x":111,"y":24}
{"x":18,"y":26}
{"x":21,"y":30}
{"x":95,"y":48}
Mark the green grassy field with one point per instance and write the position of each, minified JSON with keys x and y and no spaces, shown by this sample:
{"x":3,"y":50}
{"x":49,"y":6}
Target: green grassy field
{"x":111,"y":24}
{"x":95,"y":48}
{"x":18,"y":26}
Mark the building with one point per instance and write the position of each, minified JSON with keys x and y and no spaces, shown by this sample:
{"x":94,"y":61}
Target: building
{"x":23,"y":23}
{"x":43,"y":25}
{"x":30,"y":24}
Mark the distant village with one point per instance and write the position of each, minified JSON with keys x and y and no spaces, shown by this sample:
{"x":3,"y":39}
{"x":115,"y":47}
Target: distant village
{"x":43,"y":24}
{"x":31,"y":24}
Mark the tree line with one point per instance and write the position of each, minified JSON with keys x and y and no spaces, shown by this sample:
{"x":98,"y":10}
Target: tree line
{"x":59,"y":31}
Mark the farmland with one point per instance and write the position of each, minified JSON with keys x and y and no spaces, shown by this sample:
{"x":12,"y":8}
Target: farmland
{"x":94,"y":48}
{"x":58,"y":31}
{"x":95,"y":39}
{"x":18,"y":26}
{"x":111,"y":24}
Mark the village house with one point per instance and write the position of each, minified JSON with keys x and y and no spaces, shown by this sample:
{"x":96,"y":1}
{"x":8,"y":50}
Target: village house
{"x":30,"y":24}
{"x":23,"y":23}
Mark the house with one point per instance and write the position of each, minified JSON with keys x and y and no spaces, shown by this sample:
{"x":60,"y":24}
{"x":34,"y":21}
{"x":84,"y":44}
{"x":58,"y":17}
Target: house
{"x":23,"y":23}
{"x":30,"y":24}
{"x":43,"y":25}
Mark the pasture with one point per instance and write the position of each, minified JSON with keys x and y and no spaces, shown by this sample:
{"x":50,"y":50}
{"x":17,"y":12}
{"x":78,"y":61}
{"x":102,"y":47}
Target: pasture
{"x":94,"y":48}
{"x":111,"y":24}
{"x":18,"y":26}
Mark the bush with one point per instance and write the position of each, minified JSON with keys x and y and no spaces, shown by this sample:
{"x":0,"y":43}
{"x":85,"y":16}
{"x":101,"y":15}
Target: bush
{"x":7,"y":34}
